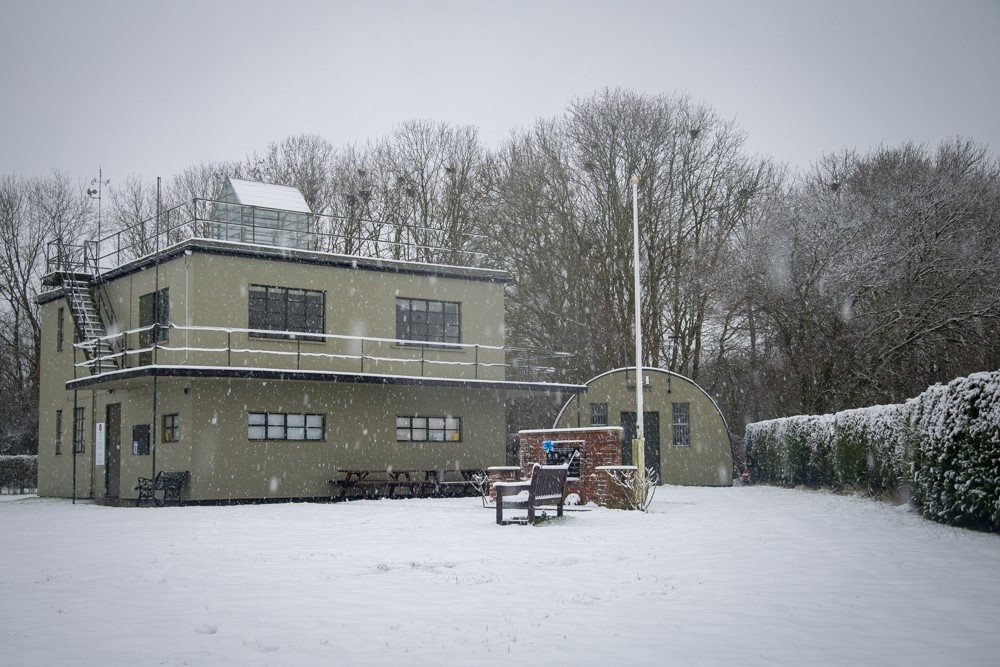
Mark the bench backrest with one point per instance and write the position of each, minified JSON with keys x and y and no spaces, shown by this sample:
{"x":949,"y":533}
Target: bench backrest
{"x":166,"y":480}
{"x":548,"y":481}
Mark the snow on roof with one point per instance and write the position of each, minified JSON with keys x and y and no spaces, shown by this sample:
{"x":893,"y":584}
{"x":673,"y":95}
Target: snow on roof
{"x":268,"y":195}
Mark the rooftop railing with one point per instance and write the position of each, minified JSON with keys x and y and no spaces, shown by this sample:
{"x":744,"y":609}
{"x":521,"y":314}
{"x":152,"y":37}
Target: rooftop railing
{"x":274,"y":228}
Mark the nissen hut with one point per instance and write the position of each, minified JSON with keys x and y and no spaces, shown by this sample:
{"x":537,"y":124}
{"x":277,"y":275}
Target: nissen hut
{"x":687,"y":439}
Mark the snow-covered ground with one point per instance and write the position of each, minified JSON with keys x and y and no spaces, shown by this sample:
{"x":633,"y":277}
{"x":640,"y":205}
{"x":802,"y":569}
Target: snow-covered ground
{"x":753,"y":575}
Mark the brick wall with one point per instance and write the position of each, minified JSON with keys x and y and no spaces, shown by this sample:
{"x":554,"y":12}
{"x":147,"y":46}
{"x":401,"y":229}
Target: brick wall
{"x":599,"y":446}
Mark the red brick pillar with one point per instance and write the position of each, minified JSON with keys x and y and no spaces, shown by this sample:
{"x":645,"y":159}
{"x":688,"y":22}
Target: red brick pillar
{"x":598,"y":446}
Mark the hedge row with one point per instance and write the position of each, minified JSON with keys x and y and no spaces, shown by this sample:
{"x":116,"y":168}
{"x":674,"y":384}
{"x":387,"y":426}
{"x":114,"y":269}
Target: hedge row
{"x":18,"y":473}
{"x":945,"y":444}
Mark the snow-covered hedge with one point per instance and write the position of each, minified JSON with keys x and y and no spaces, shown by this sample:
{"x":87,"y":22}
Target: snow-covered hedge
{"x":945,"y":443}
{"x":955,"y":430}
{"x":18,"y":473}
{"x":793,"y":450}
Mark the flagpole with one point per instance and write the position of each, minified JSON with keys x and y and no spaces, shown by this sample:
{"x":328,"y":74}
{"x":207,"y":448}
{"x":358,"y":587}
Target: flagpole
{"x":639,"y":444}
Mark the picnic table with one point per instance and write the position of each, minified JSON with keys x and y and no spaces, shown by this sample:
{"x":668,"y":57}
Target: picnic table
{"x":386,"y":482}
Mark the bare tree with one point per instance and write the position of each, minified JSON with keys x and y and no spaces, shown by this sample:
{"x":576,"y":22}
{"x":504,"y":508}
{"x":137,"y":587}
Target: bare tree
{"x":33,"y":214}
{"x":697,"y":188}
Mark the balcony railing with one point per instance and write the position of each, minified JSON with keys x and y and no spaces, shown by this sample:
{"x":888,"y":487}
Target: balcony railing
{"x":226,"y":347}
{"x":253,"y":225}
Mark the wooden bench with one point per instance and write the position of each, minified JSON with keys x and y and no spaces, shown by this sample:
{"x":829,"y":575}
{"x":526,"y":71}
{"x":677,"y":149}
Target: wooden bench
{"x":170,"y":483}
{"x":547,"y":486}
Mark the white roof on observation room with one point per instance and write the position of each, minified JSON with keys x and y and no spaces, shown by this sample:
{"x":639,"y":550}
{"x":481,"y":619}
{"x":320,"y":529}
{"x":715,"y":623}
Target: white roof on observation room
{"x":267,"y":195}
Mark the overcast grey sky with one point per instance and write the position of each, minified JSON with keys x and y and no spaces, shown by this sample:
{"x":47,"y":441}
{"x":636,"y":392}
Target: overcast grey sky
{"x":152,"y":87}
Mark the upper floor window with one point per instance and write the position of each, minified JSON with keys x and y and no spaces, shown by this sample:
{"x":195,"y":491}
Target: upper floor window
{"x":154,"y":309}
{"x":428,"y":321}
{"x":287,"y":310}
{"x":682,"y":424}
{"x":60,"y":329}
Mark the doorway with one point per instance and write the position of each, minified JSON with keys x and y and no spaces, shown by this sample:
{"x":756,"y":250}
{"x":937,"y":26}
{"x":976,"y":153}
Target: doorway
{"x":651,"y":427}
{"x":113,"y":455}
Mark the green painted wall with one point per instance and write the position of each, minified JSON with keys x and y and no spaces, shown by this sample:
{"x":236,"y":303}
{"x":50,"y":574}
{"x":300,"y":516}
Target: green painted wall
{"x":706,"y":462}
{"x":212,"y":290}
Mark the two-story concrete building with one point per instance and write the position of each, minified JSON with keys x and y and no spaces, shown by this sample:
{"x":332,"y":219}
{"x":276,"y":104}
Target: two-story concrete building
{"x":237,"y":348}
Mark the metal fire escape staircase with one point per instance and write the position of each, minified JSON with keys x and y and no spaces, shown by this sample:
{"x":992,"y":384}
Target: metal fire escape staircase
{"x":89,"y":326}
{"x":77,"y":272}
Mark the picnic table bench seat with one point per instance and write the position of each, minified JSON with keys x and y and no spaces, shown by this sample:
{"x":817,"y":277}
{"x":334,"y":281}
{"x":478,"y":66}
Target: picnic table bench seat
{"x":385,"y":483}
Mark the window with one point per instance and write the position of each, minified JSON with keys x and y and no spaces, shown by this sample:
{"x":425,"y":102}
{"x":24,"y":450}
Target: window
{"x":598,"y":414}
{"x":171,"y":428}
{"x":428,"y":429}
{"x":283,"y":426}
{"x":286,"y":310}
{"x":60,"y":329}
{"x":428,"y":321}
{"x":154,"y":308}
{"x":58,"y":430}
{"x":682,"y":424}
{"x":78,"y":417}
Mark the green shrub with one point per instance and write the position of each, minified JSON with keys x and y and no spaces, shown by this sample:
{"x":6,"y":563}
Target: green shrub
{"x":18,"y":473}
{"x":955,"y":433}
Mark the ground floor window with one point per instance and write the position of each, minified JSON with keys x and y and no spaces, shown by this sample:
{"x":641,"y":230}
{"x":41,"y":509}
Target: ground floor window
{"x":598,"y":414}
{"x":171,"y":428}
{"x":58,"y":432}
{"x":682,"y":424}
{"x":428,"y":429}
{"x":284,"y":426}
{"x":79,"y":415}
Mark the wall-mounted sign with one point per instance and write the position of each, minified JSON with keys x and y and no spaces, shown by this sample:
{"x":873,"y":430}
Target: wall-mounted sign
{"x":99,"y":444}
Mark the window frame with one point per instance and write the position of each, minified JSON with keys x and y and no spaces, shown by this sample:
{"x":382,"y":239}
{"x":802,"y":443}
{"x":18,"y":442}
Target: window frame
{"x":285,"y":330}
{"x":680,"y":424}
{"x":408,"y":331}
{"x":595,"y":414}
{"x":171,"y":428}
{"x":79,"y":430}
{"x":59,"y":428}
{"x":155,"y":306}
{"x":60,"y":329}
{"x":276,"y":426}
{"x":447,"y":426}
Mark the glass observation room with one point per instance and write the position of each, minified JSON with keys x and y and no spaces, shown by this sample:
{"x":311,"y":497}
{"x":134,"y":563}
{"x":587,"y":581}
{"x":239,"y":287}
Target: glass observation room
{"x":262,"y":214}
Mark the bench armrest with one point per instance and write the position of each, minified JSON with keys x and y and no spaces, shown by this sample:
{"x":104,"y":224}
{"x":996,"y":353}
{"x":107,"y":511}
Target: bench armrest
{"x":510,"y":488}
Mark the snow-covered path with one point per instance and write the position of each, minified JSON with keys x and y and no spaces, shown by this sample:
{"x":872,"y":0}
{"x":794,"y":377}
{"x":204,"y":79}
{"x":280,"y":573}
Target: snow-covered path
{"x":754,"y":575}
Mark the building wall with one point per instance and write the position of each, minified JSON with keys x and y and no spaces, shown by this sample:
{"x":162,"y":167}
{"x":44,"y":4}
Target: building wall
{"x":212,"y":290}
{"x":207,"y":290}
{"x":706,"y":462}
{"x":55,"y":367}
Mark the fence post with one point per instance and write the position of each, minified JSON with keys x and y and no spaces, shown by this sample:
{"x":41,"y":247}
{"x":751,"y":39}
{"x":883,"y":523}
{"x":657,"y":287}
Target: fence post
{"x":477,"y":361}
{"x":229,"y":348}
